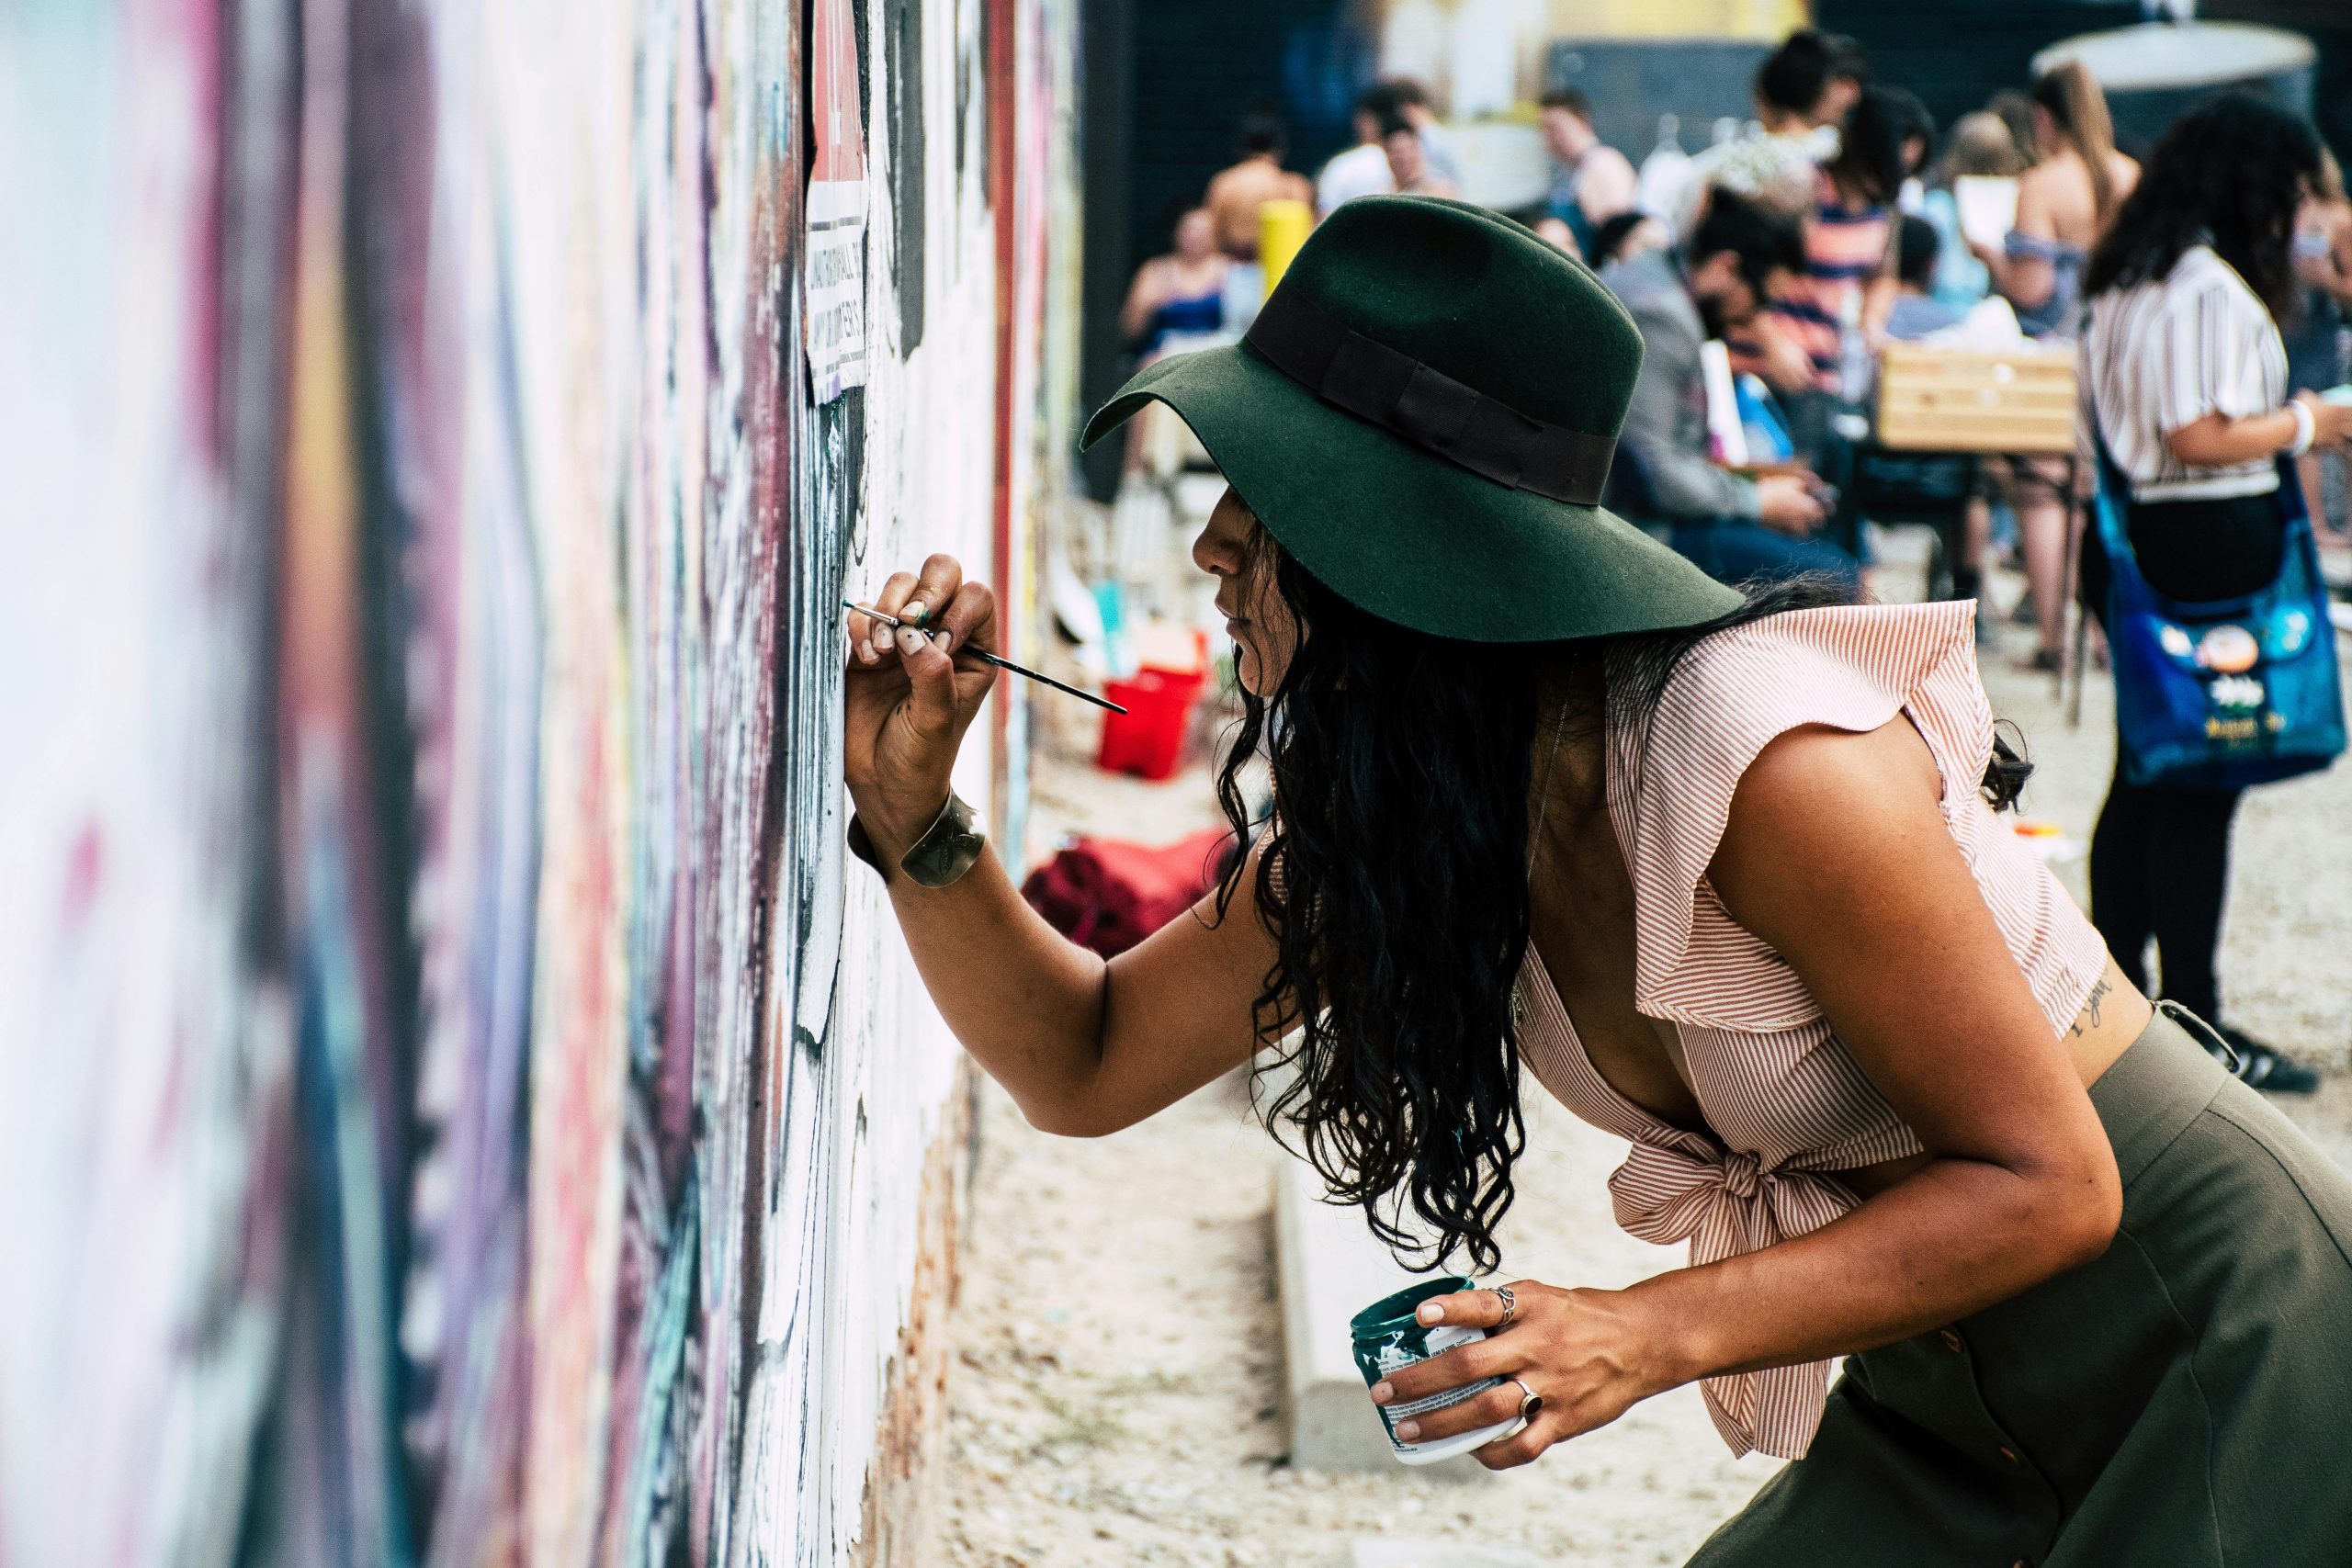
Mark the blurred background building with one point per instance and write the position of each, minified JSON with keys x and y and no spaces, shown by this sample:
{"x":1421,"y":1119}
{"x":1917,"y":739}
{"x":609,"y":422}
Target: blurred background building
{"x":1164,"y":86}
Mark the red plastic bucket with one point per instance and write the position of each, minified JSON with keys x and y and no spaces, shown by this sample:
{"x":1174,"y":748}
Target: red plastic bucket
{"x":1148,"y":738}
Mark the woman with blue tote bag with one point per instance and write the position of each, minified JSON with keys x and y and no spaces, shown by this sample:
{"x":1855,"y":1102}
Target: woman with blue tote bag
{"x":2200,"y":560}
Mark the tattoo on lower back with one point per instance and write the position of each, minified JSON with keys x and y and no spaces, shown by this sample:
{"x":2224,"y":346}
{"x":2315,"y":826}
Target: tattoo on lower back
{"x":2091,"y":1005}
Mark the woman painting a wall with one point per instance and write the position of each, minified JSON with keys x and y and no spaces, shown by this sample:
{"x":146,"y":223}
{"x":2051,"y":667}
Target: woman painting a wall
{"x":1726,"y":876}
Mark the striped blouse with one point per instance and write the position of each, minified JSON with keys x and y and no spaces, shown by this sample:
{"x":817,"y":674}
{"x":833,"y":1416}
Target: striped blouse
{"x":1845,"y":248}
{"x":2159,"y":355}
{"x":1786,"y":1106}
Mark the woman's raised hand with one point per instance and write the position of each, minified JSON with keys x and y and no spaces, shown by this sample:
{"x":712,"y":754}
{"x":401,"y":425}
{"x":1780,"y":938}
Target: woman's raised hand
{"x":910,"y":699}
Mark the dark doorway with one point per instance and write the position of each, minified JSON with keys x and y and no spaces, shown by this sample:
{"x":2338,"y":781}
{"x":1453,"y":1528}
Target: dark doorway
{"x":1164,"y":86}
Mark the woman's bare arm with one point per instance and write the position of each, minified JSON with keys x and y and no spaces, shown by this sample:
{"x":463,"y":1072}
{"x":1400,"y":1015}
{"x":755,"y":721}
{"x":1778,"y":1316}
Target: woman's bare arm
{"x":1879,"y":296}
{"x":1143,"y":295}
{"x":2219,"y":441}
{"x":2024,"y":281}
{"x":1084,"y":1046}
{"x":1605,"y":184}
{"x":1838,"y":855}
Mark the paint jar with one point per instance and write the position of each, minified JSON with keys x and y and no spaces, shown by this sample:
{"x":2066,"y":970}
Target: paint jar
{"x":1388,"y":1336}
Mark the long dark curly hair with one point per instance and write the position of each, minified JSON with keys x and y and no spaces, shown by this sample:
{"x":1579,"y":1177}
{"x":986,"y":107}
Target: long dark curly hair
{"x":1393,"y":884}
{"x":2231,"y":173}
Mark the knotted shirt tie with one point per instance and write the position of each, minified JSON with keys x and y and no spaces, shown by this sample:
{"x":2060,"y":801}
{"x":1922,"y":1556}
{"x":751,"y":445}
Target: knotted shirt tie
{"x":1725,"y":1203}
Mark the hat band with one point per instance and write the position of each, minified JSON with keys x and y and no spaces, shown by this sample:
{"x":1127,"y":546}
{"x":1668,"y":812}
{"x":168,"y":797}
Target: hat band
{"x":1426,"y":407}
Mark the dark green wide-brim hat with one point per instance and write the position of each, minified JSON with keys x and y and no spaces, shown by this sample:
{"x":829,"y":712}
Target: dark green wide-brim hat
{"x":1424,"y":415}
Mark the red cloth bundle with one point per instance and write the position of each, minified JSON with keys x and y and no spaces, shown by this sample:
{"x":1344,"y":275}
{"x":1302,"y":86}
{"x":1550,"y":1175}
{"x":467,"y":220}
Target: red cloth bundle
{"x":1109,"y":895}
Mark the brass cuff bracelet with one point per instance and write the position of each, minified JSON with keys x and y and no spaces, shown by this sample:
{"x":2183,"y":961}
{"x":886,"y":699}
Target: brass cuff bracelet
{"x":948,"y":849}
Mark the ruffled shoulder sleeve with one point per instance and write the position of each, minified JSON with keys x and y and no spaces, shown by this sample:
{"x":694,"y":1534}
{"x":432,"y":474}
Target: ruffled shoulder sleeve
{"x":1675,"y":762}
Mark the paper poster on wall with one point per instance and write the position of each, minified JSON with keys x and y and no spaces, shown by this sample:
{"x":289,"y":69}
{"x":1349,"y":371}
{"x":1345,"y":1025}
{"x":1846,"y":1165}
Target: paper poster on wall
{"x":833,"y":305}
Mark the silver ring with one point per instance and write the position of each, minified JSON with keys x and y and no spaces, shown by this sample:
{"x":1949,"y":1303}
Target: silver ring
{"x":1531,"y":1403}
{"x":1510,"y":1305}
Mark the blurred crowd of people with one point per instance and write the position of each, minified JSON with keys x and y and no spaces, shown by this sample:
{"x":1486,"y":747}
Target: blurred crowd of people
{"x":2207,"y":298}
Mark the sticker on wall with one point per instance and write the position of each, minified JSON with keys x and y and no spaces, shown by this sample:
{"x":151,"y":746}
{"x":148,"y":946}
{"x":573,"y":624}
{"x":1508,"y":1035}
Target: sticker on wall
{"x":833,"y":304}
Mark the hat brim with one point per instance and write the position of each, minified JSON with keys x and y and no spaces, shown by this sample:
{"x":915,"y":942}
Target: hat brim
{"x":1404,"y":533}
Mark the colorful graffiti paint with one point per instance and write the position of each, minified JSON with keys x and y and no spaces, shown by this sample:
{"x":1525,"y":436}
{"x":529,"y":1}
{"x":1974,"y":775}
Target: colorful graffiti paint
{"x":455,"y":1110}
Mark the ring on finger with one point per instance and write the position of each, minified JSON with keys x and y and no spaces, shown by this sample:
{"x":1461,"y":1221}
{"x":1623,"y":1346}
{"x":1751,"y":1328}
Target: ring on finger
{"x":1530,"y":1402}
{"x":1510,"y":1305}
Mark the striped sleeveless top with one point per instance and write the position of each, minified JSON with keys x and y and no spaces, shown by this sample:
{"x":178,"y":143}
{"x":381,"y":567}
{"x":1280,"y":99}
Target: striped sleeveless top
{"x":1786,"y":1106}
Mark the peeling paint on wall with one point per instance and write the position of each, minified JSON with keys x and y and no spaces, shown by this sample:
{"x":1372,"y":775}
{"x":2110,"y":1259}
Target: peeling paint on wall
{"x":455,"y":1108}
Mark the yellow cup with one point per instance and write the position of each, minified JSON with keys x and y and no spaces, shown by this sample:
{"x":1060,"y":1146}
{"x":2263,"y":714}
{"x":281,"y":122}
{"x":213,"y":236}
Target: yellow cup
{"x":1283,"y":224}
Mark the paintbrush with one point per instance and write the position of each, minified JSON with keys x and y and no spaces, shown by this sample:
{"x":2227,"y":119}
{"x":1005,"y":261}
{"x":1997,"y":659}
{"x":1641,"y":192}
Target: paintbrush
{"x":983,"y":653}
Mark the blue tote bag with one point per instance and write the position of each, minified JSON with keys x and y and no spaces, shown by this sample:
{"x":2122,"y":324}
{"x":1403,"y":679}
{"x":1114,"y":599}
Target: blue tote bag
{"x":2225,"y":694}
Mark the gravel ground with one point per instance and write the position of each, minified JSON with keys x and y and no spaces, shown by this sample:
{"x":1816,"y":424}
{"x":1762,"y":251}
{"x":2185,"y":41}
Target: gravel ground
{"x":1114,"y":1394}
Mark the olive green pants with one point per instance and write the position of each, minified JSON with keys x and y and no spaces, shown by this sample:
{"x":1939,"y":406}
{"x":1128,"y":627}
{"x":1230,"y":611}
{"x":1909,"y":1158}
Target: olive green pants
{"x":2187,"y":1399}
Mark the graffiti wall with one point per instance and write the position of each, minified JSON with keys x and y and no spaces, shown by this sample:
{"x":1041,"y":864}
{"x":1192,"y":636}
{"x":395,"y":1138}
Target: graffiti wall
{"x":455,"y":1108}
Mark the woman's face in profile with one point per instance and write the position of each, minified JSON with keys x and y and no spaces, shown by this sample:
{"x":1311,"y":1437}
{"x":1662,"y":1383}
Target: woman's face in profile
{"x":1234,"y":550}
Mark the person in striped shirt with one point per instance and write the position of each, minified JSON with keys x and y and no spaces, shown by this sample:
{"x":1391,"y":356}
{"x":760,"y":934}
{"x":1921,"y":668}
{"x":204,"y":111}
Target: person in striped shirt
{"x":1735,"y":527}
{"x":1804,"y":91}
{"x":1832,"y":314}
{"x":1848,"y":283}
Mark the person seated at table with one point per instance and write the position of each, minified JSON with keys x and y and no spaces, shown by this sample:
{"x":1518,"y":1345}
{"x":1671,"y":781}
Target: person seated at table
{"x":1625,"y":236}
{"x":1181,"y":294}
{"x":1980,"y":147}
{"x":1437,"y":142}
{"x":1591,"y":181}
{"x":1736,"y":528}
{"x":1236,"y":193}
{"x":1837,"y":307}
{"x":1410,"y":167}
{"x":1361,"y":170}
{"x":1918,"y":311}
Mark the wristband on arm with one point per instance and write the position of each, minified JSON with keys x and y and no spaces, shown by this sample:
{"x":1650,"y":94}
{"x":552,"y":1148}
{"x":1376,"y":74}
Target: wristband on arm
{"x":948,"y":849}
{"x":2305,"y":428}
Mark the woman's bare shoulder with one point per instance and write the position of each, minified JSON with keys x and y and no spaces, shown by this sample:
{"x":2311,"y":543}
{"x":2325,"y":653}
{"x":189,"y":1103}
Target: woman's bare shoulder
{"x":1810,"y":766}
{"x":1819,"y":789}
{"x":2050,"y":173}
{"x":2042,"y":191}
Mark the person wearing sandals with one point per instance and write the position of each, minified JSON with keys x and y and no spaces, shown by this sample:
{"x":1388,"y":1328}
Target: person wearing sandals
{"x":2064,"y":202}
{"x":2186,"y":376}
{"x":1723,"y":871}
